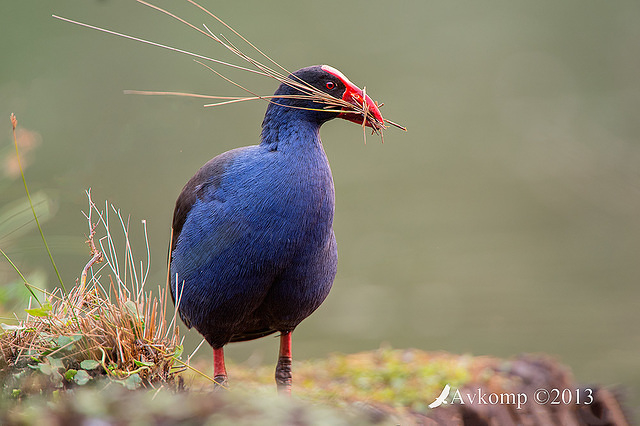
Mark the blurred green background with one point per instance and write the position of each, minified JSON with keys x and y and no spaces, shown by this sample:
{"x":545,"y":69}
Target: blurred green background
{"x":505,"y":221}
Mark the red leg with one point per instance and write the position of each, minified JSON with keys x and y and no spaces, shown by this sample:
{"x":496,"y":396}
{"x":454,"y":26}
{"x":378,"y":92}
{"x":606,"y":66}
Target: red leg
{"x":283,"y":369}
{"x":219,"y":370}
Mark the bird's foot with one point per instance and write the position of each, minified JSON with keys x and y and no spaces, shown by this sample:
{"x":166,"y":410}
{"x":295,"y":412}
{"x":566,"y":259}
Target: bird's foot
{"x":219,"y":370}
{"x":283,"y":375}
{"x":221,"y":382}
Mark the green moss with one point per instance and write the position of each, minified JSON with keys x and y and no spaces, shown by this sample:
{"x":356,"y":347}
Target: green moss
{"x":400,"y":378}
{"x":375,"y":385}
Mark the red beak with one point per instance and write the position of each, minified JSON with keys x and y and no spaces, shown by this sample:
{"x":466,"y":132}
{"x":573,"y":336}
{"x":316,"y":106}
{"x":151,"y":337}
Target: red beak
{"x":354,"y":95}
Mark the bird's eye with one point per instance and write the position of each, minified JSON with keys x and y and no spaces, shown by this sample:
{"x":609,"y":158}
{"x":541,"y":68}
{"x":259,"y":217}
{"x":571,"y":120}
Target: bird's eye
{"x":330,"y":85}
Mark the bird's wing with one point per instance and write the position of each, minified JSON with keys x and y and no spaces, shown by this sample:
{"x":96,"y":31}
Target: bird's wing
{"x":206,"y":180}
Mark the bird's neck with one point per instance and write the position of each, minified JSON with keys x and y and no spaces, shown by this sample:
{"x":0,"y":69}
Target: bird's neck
{"x":288,"y":128}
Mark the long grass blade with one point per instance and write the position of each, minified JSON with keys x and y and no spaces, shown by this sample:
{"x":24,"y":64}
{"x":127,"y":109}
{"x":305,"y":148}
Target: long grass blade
{"x":14,"y":123}
{"x":280,"y":74}
{"x":153,"y":43}
{"x":22,"y":277}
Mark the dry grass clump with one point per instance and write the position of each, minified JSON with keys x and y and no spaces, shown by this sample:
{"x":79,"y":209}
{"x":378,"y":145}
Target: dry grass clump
{"x":106,"y":325}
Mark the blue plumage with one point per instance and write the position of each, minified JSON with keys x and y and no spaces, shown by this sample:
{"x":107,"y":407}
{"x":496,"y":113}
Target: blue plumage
{"x":253,"y":249}
{"x":257,"y":250}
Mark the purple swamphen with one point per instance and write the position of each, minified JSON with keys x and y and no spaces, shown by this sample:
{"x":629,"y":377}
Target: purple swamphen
{"x":253,"y":250}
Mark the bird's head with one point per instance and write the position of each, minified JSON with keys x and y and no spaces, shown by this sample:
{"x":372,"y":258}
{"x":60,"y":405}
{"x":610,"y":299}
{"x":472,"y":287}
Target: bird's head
{"x":322,"y":93}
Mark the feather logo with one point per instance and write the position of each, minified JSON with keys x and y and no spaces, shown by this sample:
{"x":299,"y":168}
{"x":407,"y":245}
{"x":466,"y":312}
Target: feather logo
{"x":442,"y":398}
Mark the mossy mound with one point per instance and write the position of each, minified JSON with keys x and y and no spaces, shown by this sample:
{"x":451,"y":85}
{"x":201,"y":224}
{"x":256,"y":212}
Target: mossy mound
{"x":379,"y":387}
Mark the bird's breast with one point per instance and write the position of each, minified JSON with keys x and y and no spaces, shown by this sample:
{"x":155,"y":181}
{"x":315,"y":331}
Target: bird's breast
{"x":298,"y":205}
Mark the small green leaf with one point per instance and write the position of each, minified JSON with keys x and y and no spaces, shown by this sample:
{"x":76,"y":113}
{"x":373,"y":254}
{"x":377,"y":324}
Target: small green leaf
{"x":178,"y":352}
{"x":132,"y":382}
{"x":63,"y":340}
{"x":70,"y":374}
{"x":143,"y":364}
{"x":56,"y":363}
{"x":16,"y":393}
{"x":68,"y":341}
{"x":89,"y":364}
{"x":81,"y":377}
{"x":42,"y":311}
{"x":45,"y":368}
